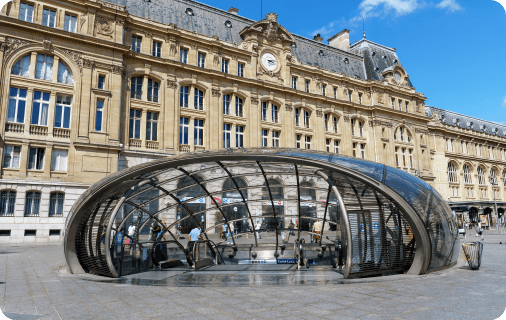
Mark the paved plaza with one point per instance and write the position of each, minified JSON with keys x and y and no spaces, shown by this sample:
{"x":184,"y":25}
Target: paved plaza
{"x":34,"y":285}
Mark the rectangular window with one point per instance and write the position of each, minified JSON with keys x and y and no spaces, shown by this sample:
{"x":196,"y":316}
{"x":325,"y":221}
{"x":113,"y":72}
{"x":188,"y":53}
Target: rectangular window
{"x":400,"y":105}
{"x":224,"y":65}
{"x":136,"y":87}
{"x":7,"y":202}
{"x":157,"y":49}
{"x":397,"y":157}
{"x":275,"y":113}
{"x":44,"y":67}
{"x":265,"y":134}
{"x":393,"y":103}
{"x":198,"y":132}
{"x":36,"y":159}
{"x":352,"y":127}
{"x":239,"y":136}
{"x":101,"y":82}
{"x":198,"y":99}
{"x":152,"y":126}
{"x":335,"y":93}
{"x":136,"y":43}
{"x":362,"y":150}
{"x":226,"y":104}
{"x":327,"y":144}
{"x":403,"y":150}
{"x":48,"y":18}
{"x":183,"y":130}
{"x":238,"y":107}
{"x":226,"y":135}
{"x":11,"y":156}
{"x":153,"y":90}
{"x":297,"y":141}
{"x":354,"y":149}
{"x":32,"y":205}
{"x":297,"y":117}
{"x":411,"y":158}
{"x":336,"y":146}
{"x":307,"y":142}
{"x":70,"y":24}
{"x":240,"y":70}
{"x":26,"y":12}
{"x":335,"y":127}
{"x":275,"y":139}
{"x":359,"y":98}
{"x":407,"y":106}
{"x":59,"y":160}
{"x":349,"y":95}
{"x":98,"y":115}
{"x":294,"y":83}
{"x":17,"y":104}
{"x":183,"y":55}
{"x":306,"y":86}
{"x":324,"y":90}
{"x":202,"y":60}
{"x":135,"y":124}
{"x":62,"y":111}
{"x":326,"y":122}
{"x":264,"y":111}
{"x":184,"y":96}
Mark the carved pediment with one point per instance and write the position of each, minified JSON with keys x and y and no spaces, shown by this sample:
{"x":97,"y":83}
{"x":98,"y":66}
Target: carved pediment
{"x":270,"y":29}
{"x":396,"y":75}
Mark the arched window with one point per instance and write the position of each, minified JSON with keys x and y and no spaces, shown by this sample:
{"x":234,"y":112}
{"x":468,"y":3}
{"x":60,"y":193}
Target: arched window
{"x":44,"y":67}
{"x":239,"y":107}
{"x":493,"y":176}
{"x":153,"y":87}
{"x":21,"y":67}
{"x":335,"y":127}
{"x":452,"y":173}
{"x":32,"y":204}
{"x":198,"y":99}
{"x":275,"y":113}
{"x":302,"y":118}
{"x":331,"y":123}
{"x":64,"y":74}
{"x":7,"y":202}
{"x":56,"y":204}
{"x":481,"y":176}
{"x":467,"y":174}
{"x":361,"y":128}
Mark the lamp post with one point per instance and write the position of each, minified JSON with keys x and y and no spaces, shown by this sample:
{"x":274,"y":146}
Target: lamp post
{"x":494,"y":183}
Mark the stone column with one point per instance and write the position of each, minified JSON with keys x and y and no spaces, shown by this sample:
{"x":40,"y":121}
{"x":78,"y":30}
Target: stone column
{"x":23,"y":159}
{"x":47,"y":161}
{"x":28,"y":111}
{"x":171,"y":116}
{"x":54,"y":76}
{"x":84,"y":123}
{"x":144,"y":95}
{"x":52,"y":107}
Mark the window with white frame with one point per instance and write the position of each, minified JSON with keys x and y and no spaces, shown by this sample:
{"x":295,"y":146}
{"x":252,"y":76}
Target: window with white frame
{"x":62,"y":112}
{"x":99,"y":115}
{"x":40,"y":108}
{"x":362,"y":150}
{"x":307,"y":142}
{"x":226,"y":104}
{"x":152,"y":126}
{"x":26,"y":12}
{"x":198,"y":132}
{"x":22,"y":67}
{"x":361,"y":128}
{"x":326,"y":121}
{"x":297,"y":141}
{"x":48,"y":17}
{"x":400,"y":105}
{"x":17,"y":105}
{"x":324,"y":90}
{"x":335,"y":92}
{"x":352,"y":127}
{"x":335,"y":123}
{"x":504,"y":178}
{"x":478,"y":149}
{"x":136,"y":44}
{"x":336,"y":146}
{"x":407,"y":106}
{"x":360,"y":98}
{"x":393,"y":103}
{"x":306,"y":86}
{"x":411,"y":158}
{"x":275,"y":113}
{"x":101,"y":82}
{"x":452,"y":173}
{"x":481,"y":176}
{"x":264,"y":111}
{"x":470,"y":193}
{"x":493,"y":177}
{"x":59,"y":160}
{"x":44,"y":67}
{"x":354,"y":149}
{"x":56,"y":200}
{"x":349,"y":96}
{"x":224,"y":65}
{"x":135,"y":124}
{"x":32,"y":204}
{"x":240,"y":70}
{"x":327,"y":144}
{"x":307,"y":118}
{"x":183,"y":130}
{"x":294,"y":83}
{"x":183,"y":55}
{"x":11,"y":156}
{"x":7,"y":203}
{"x":397,"y":163}
{"x":275,"y":139}
{"x":70,"y":23}
{"x":239,"y":107}
{"x":184,"y":96}
{"x":157,"y":49}
{"x":36,"y":158}
{"x":265,"y":134}
{"x":468,"y":178}
{"x":403,"y":151}
{"x":202,"y":60}
{"x":226,"y":135}
{"x":464,"y":147}
{"x":198,"y":99}
{"x":449,"y":145}
{"x":492,"y":153}
{"x":239,"y":136}
{"x":153,"y":87}
{"x":136,"y":87}
{"x":454,"y":191}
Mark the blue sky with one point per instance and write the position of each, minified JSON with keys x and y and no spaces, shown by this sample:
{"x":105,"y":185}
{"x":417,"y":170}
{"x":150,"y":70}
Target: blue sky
{"x":453,"y":50}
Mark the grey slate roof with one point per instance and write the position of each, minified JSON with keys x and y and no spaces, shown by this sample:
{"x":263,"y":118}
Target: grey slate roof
{"x":466,"y":122}
{"x":377,"y":58}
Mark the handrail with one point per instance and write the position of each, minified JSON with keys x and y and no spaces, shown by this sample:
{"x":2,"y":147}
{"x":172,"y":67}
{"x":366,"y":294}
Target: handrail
{"x":210,"y":245}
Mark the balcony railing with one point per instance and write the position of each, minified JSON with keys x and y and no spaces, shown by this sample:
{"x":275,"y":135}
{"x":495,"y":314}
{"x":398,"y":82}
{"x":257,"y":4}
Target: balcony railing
{"x":184,"y":148}
{"x":200,"y":148}
{"x":135,"y":143}
{"x":38,"y":130}
{"x":152,"y":144}
{"x":15,"y":127}
{"x":61,"y":133}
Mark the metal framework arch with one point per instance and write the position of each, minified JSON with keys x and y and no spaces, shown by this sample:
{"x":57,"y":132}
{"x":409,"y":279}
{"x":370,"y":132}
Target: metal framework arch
{"x":386,"y":219}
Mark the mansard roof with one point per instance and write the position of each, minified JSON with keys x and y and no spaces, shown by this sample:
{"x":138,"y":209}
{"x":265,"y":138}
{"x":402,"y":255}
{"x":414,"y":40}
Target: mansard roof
{"x":466,"y":122}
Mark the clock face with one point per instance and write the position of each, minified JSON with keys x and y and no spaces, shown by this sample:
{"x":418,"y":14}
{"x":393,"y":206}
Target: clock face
{"x":269,"y":61}
{"x":397,"y":77}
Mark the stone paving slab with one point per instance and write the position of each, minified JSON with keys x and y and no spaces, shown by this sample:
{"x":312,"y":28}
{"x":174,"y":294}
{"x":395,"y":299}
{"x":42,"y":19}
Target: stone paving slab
{"x":32,"y":286}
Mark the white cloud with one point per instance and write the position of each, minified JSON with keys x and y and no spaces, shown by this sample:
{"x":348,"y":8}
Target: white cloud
{"x":371,"y":8}
{"x":451,"y":5}
{"x":331,"y":28}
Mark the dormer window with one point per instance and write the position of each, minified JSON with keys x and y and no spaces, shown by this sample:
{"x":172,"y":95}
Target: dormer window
{"x":189,"y":11}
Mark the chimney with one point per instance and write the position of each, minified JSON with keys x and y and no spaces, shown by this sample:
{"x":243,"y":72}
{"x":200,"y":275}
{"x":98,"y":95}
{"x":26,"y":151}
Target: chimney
{"x":341,"y":40}
{"x":233,"y":10}
{"x":318,"y":38}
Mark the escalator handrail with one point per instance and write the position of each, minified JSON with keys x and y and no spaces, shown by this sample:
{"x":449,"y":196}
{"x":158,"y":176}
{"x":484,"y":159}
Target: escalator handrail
{"x":208,"y":242}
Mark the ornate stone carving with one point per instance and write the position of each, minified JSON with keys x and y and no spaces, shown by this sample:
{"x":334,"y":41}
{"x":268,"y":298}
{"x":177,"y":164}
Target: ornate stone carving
{"x":113,"y":6}
{"x":420,"y":106}
{"x":46,"y":43}
{"x":346,"y":117}
{"x":172,"y":46}
{"x":172,"y":83}
{"x":254,"y":101}
{"x":118,"y":69}
{"x":193,"y":46}
{"x":173,"y":26}
{"x":216,"y":92}
{"x":82,"y":20}
{"x":234,"y":57}
{"x":12,"y":44}
{"x":288,"y":107}
{"x":216,"y":57}
{"x":272,"y":28}
{"x":434,"y":117}
{"x":77,"y":57}
{"x":104,"y":27}
{"x":148,"y":34}
{"x":147,"y":66}
{"x":319,"y":113}
{"x":88,"y":64}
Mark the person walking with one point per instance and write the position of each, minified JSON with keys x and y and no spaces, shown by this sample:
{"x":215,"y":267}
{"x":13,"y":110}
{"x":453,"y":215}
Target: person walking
{"x":257,"y":228}
{"x":317,"y":229}
{"x":225,"y":227}
{"x":230,"y":233}
{"x":195,"y":234}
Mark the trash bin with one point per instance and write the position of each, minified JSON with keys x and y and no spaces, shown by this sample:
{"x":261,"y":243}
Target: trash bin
{"x":473,"y":252}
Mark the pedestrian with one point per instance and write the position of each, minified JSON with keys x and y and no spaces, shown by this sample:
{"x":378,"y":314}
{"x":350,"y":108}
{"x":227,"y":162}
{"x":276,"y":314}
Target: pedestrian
{"x":225,"y":226}
{"x":257,"y":228}
{"x":317,"y":229}
{"x":151,"y":231}
{"x":291,"y":226}
{"x":195,"y":234}
{"x":131,"y":231}
{"x":220,"y":231}
{"x":154,"y":233}
{"x":230,"y":233}
{"x":479,"y":231}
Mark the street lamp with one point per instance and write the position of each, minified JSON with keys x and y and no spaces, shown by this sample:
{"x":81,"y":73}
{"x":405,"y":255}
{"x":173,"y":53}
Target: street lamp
{"x":494,"y":183}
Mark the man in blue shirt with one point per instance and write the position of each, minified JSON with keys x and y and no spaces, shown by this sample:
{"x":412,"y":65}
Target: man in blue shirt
{"x":195,"y":234}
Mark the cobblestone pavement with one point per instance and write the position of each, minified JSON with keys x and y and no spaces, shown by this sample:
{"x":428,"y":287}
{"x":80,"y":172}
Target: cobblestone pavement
{"x":32,"y":286}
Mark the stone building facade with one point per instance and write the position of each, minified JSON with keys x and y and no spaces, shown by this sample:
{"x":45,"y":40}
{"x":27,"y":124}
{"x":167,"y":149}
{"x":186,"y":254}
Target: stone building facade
{"x":90,"y":87}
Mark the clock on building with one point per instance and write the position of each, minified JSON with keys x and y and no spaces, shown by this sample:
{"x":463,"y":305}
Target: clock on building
{"x":269,"y":61}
